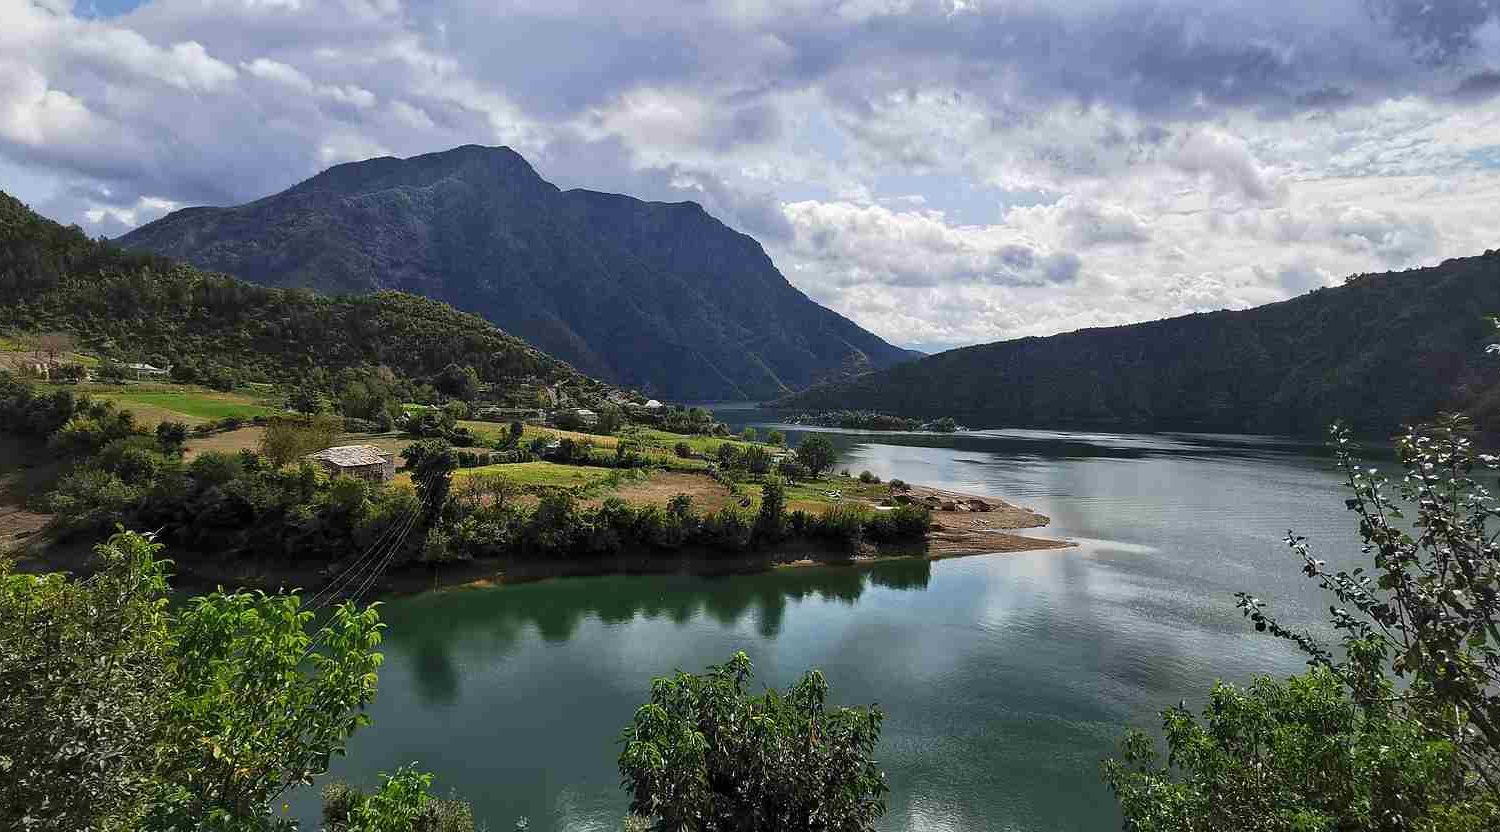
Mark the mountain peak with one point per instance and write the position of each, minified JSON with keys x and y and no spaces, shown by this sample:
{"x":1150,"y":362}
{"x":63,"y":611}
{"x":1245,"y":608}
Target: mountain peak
{"x":649,"y":295}
{"x":471,"y":163}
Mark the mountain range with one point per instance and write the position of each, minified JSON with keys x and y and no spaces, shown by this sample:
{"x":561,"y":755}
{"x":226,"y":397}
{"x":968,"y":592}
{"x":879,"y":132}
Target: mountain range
{"x":656,"y":296}
{"x":1379,"y":351}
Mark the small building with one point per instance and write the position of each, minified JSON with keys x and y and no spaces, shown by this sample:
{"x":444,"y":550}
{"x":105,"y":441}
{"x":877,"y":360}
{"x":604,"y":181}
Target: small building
{"x":365,"y":462}
{"x":145,"y":371}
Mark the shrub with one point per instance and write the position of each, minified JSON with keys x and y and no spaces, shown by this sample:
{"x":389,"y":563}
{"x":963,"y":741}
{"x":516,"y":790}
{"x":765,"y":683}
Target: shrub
{"x":289,"y":437}
{"x":867,"y":478}
{"x":68,"y":373}
{"x":683,"y":450}
{"x":843,"y":523}
{"x":899,"y":486}
{"x":908,"y":522}
{"x":353,"y":424}
{"x":172,"y":436}
{"x":793,"y":471}
{"x":725,"y":529}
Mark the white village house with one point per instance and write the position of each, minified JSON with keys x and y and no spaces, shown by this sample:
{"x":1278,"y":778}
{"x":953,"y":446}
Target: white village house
{"x":365,"y":462}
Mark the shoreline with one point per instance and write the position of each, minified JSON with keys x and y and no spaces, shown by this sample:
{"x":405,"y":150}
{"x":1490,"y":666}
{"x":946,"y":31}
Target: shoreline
{"x":960,"y":531}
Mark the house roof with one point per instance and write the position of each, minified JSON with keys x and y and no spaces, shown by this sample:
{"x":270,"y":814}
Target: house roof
{"x":351,"y":456}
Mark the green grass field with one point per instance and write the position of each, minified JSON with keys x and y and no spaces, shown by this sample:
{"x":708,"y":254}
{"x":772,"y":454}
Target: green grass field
{"x":198,"y":405}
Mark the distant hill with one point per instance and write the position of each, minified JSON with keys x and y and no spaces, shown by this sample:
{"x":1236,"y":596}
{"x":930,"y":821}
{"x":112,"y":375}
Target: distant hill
{"x":133,"y":307}
{"x":1380,"y":351}
{"x":650,"y":295}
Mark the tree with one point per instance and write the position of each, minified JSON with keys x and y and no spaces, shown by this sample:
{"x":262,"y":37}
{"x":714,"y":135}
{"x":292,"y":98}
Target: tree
{"x":748,"y":434}
{"x":431,"y":463}
{"x":705,"y":755}
{"x":610,"y":419}
{"x":117,"y":712}
{"x":1397,"y":729}
{"x":172,"y":436}
{"x":83,"y":669}
{"x":458,"y":382}
{"x":517,"y":430}
{"x":776,"y":438}
{"x":55,"y":345}
{"x":770,"y":520}
{"x":1293,"y":755}
{"x":817,"y":454}
{"x":288,"y":438}
{"x":306,"y":398}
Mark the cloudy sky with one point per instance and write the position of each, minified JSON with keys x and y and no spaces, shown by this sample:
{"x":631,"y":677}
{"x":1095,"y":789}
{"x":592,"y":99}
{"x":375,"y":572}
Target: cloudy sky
{"x":944,"y":172}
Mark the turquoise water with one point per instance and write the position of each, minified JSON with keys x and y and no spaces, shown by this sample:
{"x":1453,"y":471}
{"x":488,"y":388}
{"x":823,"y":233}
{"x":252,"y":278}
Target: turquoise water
{"x":1005,"y":678}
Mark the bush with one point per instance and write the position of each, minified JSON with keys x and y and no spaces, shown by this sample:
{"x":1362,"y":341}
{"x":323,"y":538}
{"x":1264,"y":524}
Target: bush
{"x":842,"y":523}
{"x":289,"y":437}
{"x":899,"y":486}
{"x":793,"y":471}
{"x":908,"y":522}
{"x":868,"y":478}
{"x":172,"y":437}
{"x":683,"y":450}
{"x":354,"y":424}
{"x":69,"y":373}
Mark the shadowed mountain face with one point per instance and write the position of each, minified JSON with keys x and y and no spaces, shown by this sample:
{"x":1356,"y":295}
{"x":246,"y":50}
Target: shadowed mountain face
{"x":651,"y":295}
{"x":1379,"y":352}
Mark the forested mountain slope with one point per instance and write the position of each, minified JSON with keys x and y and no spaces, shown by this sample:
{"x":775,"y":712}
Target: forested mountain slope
{"x":134,"y":307}
{"x":1379,"y":351}
{"x":651,"y":295}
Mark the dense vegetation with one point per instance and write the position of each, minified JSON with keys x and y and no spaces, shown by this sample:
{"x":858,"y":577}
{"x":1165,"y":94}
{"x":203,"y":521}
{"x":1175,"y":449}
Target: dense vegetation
{"x":120,"y":712}
{"x":1380,"y":351}
{"x":870,"y":420}
{"x":272,"y":505}
{"x":646,"y":295}
{"x":135,"y":307}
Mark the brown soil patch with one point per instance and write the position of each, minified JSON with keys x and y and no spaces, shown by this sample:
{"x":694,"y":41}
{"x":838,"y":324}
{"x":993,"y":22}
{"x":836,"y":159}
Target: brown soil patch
{"x":230,"y":441}
{"x":27,"y":471}
{"x":708,"y":495}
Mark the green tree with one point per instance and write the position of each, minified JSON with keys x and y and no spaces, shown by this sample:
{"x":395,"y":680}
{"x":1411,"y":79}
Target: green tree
{"x":1396,"y":729}
{"x":172,"y":436}
{"x":117,"y":713}
{"x":288,"y":438}
{"x":817,"y":454}
{"x":83,"y":668}
{"x":776,"y":438}
{"x":458,"y":382}
{"x":431,"y":462}
{"x":706,"y":755}
{"x":748,"y":434}
{"x":770,"y":520}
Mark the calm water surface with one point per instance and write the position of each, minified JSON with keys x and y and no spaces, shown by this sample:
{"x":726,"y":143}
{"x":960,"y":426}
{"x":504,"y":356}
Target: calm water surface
{"x":1005,"y":678}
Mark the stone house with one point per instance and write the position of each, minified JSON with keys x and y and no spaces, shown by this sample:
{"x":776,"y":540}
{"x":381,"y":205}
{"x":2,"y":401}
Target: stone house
{"x":365,"y":462}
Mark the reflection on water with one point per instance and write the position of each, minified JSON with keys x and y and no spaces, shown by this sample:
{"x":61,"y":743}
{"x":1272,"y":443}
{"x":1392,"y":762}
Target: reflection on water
{"x":1005,"y":678}
{"x":428,"y":628}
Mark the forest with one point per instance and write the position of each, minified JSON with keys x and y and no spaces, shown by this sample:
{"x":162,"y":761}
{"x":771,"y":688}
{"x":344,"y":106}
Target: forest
{"x":1381,"y":351}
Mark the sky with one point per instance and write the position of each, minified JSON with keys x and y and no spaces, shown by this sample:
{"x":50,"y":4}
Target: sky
{"x":943,"y":172}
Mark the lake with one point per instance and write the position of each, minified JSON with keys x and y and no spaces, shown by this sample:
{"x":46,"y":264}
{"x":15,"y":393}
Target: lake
{"x":1005,"y":678}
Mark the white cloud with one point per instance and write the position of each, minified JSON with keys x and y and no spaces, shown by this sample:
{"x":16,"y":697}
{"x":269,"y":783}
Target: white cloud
{"x":942,"y":172}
